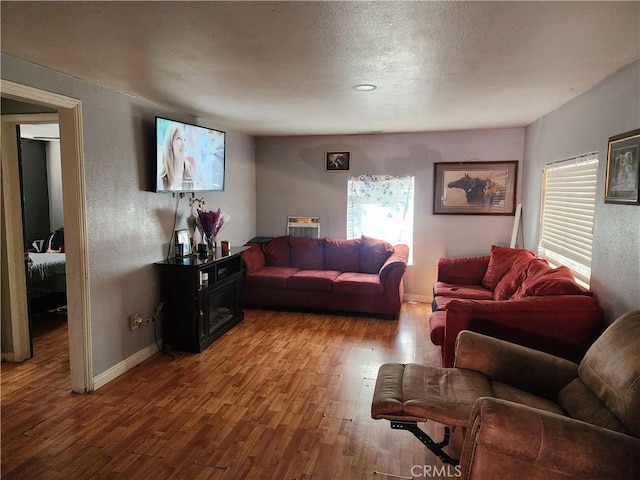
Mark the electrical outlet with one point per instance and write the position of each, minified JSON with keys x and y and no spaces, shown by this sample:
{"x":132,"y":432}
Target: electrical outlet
{"x":135,"y":321}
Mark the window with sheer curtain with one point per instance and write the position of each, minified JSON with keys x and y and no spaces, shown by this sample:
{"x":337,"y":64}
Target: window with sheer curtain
{"x":567,"y":214}
{"x":381,"y":206}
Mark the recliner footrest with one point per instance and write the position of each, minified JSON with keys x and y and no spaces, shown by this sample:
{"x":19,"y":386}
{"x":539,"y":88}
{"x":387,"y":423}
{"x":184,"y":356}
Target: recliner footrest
{"x":406,"y":394}
{"x":417,"y":393}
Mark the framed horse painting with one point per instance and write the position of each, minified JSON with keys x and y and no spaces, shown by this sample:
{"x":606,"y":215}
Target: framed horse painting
{"x":475,"y":188}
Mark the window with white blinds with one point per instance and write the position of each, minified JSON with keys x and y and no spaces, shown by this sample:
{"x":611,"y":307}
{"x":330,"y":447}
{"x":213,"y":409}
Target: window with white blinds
{"x":568,"y":209}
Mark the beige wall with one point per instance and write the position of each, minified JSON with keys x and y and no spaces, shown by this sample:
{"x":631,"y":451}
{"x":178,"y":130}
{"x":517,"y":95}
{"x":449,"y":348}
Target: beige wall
{"x":580,"y":126}
{"x":291,"y":180}
{"x":129,"y":228}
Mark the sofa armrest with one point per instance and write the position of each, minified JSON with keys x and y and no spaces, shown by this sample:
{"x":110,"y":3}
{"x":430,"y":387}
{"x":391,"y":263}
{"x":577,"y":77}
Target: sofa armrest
{"x":563,"y":325}
{"x":509,"y":440}
{"x":463,"y":270}
{"x":397,"y":261}
{"x":530,"y":370}
{"x":253,"y":259}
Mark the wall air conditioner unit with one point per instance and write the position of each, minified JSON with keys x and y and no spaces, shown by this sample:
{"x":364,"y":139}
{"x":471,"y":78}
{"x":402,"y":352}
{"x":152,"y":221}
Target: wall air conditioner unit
{"x":308,"y":227}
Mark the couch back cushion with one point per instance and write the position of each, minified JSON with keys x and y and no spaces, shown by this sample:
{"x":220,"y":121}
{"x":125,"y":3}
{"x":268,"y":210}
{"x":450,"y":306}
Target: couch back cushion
{"x":307,"y":253}
{"x":462,"y":271}
{"x":252,"y":259}
{"x":580,"y":402}
{"x":277,"y":252}
{"x":512,"y":280}
{"x":611,"y":370}
{"x":553,"y":281}
{"x":373,"y":254}
{"x":535,"y":268}
{"x":500,"y":262}
{"x":342,"y":255}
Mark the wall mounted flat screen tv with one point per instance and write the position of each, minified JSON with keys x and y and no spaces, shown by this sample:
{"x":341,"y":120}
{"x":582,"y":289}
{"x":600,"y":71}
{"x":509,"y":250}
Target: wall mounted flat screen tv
{"x":189,"y":158}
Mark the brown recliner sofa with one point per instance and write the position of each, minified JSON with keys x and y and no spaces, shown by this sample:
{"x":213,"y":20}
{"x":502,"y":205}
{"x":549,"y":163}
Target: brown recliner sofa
{"x":524,"y":413}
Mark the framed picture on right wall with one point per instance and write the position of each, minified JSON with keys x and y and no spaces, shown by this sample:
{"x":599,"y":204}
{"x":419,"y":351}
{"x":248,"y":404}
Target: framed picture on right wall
{"x":623,"y":169}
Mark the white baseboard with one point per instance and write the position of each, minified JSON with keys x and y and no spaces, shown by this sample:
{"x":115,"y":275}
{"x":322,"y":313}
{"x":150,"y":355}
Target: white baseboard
{"x":125,"y":365}
{"x":12,"y":358}
{"x":7,"y":357}
{"x":411,"y":297}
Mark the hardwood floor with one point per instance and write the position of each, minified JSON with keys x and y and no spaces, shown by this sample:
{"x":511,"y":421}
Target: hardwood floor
{"x":283,"y":395}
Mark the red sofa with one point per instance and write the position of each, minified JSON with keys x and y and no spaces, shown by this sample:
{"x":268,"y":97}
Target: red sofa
{"x":514,"y":296}
{"x":362,"y":275}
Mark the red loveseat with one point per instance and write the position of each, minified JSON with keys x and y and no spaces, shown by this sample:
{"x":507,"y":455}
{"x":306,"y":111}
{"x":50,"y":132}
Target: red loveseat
{"x":514,"y":296}
{"x":361,"y":275}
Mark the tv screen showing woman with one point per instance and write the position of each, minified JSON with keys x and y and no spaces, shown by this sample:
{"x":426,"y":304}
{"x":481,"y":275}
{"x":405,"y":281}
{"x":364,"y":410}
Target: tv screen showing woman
{"x":189,"y":158}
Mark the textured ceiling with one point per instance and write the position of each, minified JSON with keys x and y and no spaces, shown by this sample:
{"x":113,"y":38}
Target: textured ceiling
{"x":287,"y":68}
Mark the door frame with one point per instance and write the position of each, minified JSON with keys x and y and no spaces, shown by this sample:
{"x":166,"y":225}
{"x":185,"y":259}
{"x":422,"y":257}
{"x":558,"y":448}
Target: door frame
{"x":76,"y":240}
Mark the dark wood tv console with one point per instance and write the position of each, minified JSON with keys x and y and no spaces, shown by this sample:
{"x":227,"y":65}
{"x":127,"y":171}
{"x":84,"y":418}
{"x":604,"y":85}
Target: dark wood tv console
{"x":197,"y":313}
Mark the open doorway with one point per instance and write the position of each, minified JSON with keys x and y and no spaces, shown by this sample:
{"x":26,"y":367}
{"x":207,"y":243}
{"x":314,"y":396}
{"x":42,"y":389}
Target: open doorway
{"x":14,"y":304}
{"x":43,"y":229}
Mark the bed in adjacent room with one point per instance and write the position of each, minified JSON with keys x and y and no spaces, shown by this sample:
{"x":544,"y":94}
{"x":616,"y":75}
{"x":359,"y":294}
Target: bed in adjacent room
{"x":46,"y":273}
{"x":46,"y":281}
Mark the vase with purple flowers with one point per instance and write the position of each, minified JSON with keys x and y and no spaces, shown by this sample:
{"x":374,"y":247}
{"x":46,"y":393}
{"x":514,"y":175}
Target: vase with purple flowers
{"x":210,"y":223}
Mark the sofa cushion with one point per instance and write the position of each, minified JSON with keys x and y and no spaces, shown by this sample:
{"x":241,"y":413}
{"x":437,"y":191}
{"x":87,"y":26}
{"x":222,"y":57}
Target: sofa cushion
{"x":538,"y":267}
{"x":252,"y":259}
{"x":277,"y":253}
{"x":555,"y":281}
{"x":535,"y":268}
{"x":474,"y":292}
{"x":269,"y":277}
{"x":350,"y":283}
{"x":501,"y":260}
{"x":373,"y":254}
{"x":342,"y":255}
{"x":442,"y":302}
{"x":582,"y":404}
{"x":513,"y":279}
{"x":462,"y":271}
{"x":307,"y":253}
{"x":314,"y":280}
{"x":517,"y":395}
{"x":437,"y":322}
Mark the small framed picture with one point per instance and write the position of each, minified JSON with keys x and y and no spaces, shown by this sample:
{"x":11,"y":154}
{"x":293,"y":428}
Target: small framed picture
{"x":337,"y":161}
{"x":182,"y":237}
{"x":623,"y":169}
